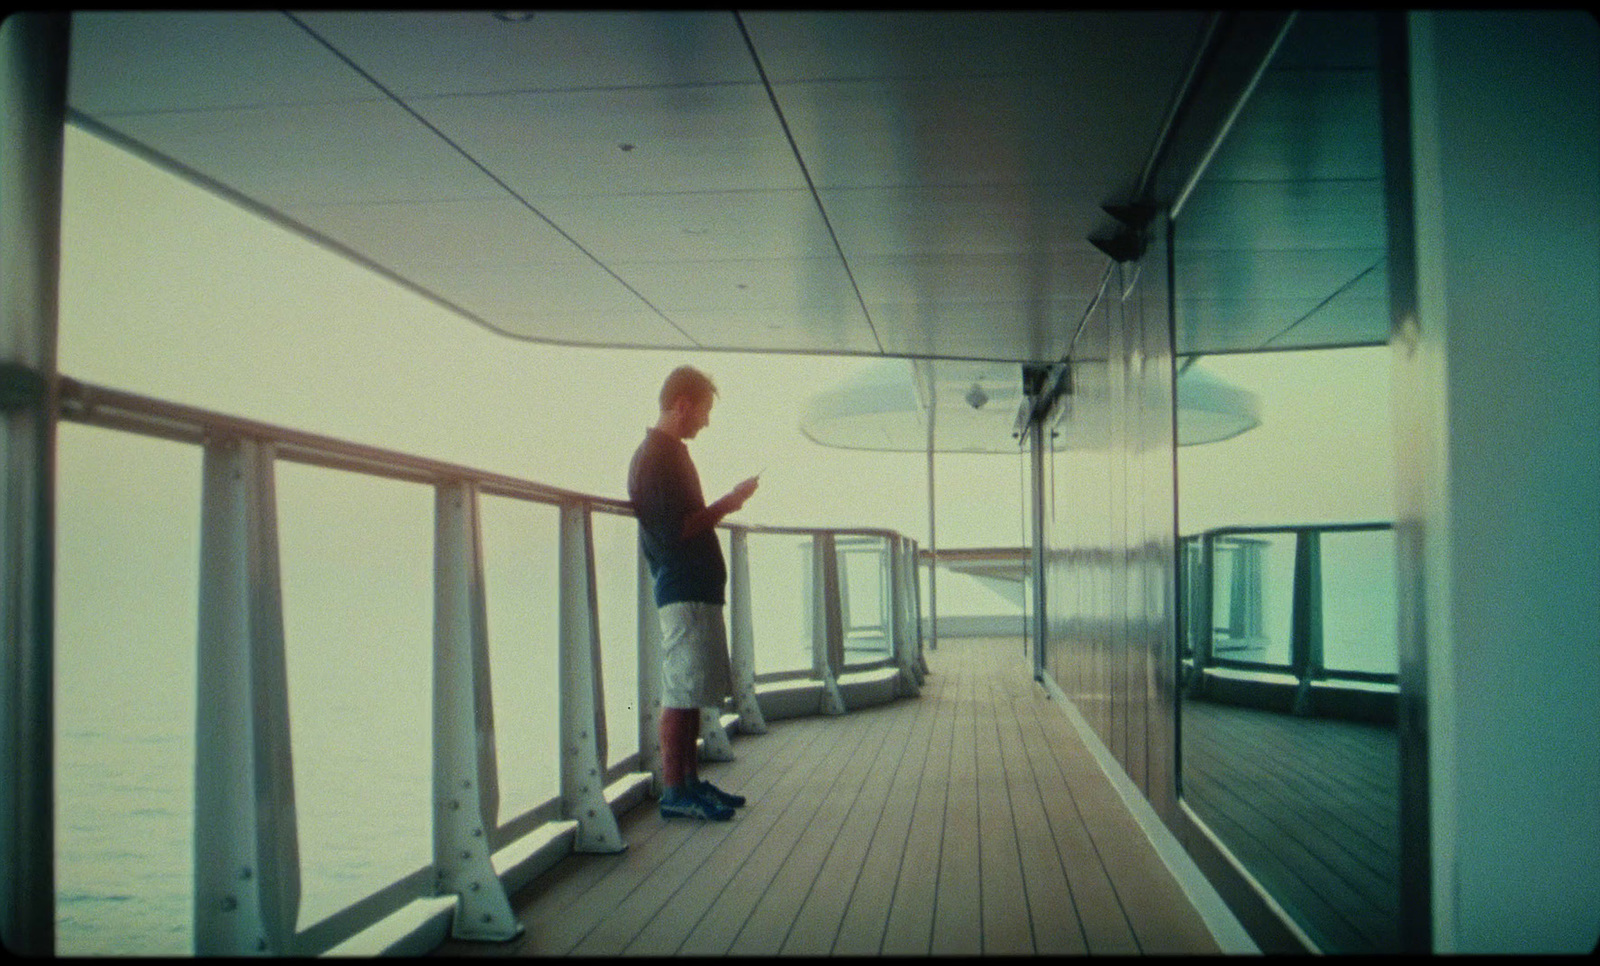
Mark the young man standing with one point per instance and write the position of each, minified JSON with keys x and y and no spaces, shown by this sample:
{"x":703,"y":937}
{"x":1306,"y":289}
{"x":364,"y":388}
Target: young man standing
{"x":677,"y":531}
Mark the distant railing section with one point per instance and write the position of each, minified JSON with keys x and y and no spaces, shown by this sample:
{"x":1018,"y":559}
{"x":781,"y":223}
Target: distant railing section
{"x":1313,"y":602}
{"x":858,"y":611}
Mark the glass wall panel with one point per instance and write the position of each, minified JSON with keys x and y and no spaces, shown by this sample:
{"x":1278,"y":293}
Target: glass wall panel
{"x":356,"y":555}
{"x":863,"y":582}
{"x":1279,"y":269}
{"x":1359,"y":621}
{"x":1252,"y":590}
{"x":127,"y":573}
{"x":522,"y":583}
{"x":616,"y":553}
{"x":780,"y":594}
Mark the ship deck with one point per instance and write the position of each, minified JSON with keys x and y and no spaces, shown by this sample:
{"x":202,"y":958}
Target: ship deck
{"x":969,"y":820}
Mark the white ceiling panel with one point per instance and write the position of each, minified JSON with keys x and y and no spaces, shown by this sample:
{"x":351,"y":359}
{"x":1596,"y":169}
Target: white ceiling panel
{"x":709,"y":226}
{"x":492,"y":231}
{"x":804,"y":46}
{"x":990,"y":330}
{"x":635,"y":328}
{"x":125,"y":62}
{"x":1009,"y":277}
{"x":790,"y":329}
{"x":297,"y":155}
{"x":744,"y":284}
{"x":544,"y":288}
{"x":423,"y":53}
{"x":965,"y":131}
{"x":656,"y":139}
{"x":970,"y":220}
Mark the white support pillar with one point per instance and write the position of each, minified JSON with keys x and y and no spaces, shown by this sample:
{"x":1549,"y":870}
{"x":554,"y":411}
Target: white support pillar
{"x":741,"y":632}
{"x":583,"y":723}
{"x":649,"y":678}
{"x":33,"y":88}
{"x":465,"y":789}
{"x":246,"y":853}
{"x":827,"y":622}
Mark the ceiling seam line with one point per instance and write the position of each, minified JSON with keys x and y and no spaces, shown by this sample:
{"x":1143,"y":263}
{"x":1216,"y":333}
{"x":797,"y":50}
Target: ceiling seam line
{"x":783,"y":122}
{"x":395,"y":99}
{"x":1322,"y":304}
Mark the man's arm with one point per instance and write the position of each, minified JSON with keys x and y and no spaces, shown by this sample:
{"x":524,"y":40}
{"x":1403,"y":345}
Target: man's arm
{"x":705,"y":519}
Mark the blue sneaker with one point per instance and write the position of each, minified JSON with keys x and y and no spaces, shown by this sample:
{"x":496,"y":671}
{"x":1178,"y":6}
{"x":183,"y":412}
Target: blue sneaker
{"x":709,"y":791}
{"x":686,"y":803}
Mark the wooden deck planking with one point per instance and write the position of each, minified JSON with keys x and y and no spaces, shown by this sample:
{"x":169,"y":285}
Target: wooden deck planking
{"x":1309,"y":807}
{"x":969,"y":820}
{"x":958,"y":914}
{"x":816,"y":925}
{"x":908,"y":927}
{"x":746,"y":855}
{"x":861,"y":931}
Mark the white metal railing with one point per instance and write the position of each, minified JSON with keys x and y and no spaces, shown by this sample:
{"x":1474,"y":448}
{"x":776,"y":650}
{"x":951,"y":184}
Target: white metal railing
{"x":246,"y":854}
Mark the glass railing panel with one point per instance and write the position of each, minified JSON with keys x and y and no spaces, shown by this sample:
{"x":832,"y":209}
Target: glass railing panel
{"x":1359,"y":623}
{"x":356,"y":556}
{"x":864,"y":585}
{"x":780,"y":592}
{"x":126,"y":584}
{"x":522,"y":587}
{"x":616,"y":556}
{"x":1252,"y":597}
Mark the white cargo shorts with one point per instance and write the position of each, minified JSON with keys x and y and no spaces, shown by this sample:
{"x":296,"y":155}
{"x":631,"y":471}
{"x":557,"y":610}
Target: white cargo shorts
{"x":694,"y":656}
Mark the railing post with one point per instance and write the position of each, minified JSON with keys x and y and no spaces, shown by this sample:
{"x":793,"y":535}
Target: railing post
{"x":714,"y":743}
{"x":902,"y":616}
{"x":33,"y":92}
{"x":1305,"y":637}
{"x":1205,"y":607}
{"x":827,"y":622}
{"x":465,"y":787}
{"x":246,"y":854}
{"x":914,"y":552}
{"x":649,"y":678}
{"x":741,"y":632}
{"x":583,"y":723}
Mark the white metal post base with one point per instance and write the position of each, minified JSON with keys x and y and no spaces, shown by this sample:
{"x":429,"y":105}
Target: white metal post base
{"x":714,"y":743}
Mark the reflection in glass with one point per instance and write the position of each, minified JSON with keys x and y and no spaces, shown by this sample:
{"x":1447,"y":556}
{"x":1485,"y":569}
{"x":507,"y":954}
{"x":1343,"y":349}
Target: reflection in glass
{"x":1288,"y":749}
